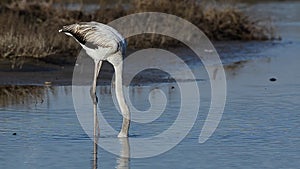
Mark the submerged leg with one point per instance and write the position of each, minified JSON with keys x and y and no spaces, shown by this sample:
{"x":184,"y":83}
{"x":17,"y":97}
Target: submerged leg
{"x":118,"y":66}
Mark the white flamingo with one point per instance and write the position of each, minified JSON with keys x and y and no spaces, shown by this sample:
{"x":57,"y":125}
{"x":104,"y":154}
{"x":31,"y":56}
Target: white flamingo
{"x":103,"y":43}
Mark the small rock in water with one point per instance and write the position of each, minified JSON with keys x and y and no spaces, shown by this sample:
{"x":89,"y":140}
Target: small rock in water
{"x":172,"y":87}
{"x":273,"y":79}
{"x":14,"y":134}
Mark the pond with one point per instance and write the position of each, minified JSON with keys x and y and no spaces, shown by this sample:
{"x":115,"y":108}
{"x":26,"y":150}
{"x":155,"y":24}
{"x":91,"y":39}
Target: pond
{"x":39,"y":127}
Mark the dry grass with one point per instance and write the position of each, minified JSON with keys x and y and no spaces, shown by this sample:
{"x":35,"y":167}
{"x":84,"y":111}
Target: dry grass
{"x":29,"y":29}
{"x":217,"y":20}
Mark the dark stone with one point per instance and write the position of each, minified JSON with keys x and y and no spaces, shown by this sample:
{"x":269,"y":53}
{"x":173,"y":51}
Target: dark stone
{"x":14,"y":134}
{"x":273,"y":79}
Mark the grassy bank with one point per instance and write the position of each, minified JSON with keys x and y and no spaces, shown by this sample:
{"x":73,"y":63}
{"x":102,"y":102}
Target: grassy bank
{"x":29,"y":29}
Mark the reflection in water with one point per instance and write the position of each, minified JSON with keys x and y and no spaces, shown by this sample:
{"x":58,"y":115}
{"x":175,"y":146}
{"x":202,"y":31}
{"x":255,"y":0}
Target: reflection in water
{"x":14,"y":95}
{"x":95,"y":153}
{"x":122,"y":160}
{"x":233,"y":68}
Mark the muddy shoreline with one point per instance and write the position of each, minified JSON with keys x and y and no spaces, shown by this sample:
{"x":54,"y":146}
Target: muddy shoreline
{"x":38,"y":72}
{"x":58,"y":71}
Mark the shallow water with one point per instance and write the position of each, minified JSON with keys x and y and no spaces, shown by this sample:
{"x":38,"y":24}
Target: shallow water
{"x":259,"y":127}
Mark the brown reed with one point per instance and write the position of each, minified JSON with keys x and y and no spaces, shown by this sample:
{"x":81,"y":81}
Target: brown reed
{"x":29,"y":28}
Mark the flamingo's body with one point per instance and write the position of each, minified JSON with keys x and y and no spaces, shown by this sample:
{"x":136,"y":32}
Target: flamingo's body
{"x":103,"y":43}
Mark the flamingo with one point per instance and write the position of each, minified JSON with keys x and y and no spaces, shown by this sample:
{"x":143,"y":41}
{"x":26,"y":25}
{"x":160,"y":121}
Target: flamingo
{"x":103,"y":43}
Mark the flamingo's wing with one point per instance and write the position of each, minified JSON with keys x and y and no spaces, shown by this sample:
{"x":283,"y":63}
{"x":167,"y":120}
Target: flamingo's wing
{"x":94,"y":35}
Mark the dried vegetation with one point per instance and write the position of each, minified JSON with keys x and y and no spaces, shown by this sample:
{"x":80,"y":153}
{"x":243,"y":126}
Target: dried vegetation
{"x":30,"y":28}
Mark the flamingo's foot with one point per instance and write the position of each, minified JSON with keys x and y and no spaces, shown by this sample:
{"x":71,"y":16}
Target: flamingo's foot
{"x":122,"y":135}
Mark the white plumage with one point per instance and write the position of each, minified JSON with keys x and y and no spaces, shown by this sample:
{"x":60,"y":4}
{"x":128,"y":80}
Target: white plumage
{"x":103,"y":43}
{"x":96,"y":37}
